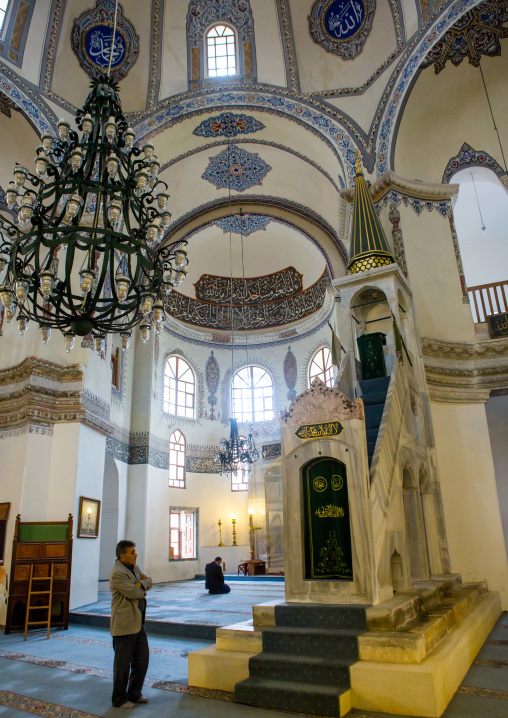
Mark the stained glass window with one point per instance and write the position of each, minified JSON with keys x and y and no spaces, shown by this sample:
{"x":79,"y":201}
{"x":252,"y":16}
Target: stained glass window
{"x":321,"y":366}
{"x":252,"y":394}
{"x":179,"y":388}
{"x":220,"y":51}
{"x":177,"y":460}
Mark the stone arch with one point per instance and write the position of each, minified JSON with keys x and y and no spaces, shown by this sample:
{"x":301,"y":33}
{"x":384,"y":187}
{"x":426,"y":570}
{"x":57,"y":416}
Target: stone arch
{"x":469,"y":157}
{"x":36,"y":112}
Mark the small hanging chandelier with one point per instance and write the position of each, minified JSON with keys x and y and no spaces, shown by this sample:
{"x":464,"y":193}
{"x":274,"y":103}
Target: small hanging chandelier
{"x":236,"y":453}
{"x":80,"y":239}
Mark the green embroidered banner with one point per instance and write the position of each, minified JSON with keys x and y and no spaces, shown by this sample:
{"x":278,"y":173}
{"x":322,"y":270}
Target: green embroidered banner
{"x":370,"y":347}
{"x":327,"y":532}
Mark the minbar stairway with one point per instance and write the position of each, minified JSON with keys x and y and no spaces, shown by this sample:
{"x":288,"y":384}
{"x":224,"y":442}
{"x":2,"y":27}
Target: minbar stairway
{"x":304,"y":665}
{"x":374,"y":396}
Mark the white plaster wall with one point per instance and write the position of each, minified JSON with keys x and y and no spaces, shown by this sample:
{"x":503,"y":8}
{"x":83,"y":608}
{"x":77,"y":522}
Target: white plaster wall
{"x":470,"y":498}
{"x":497,"y":418}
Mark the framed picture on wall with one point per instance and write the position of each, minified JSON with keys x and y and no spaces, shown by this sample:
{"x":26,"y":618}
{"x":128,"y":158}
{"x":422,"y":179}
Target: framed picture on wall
{"x":89,"y":515}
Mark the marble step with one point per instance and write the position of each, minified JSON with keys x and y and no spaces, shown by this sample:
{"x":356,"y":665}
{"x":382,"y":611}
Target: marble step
{"x":239,"y":637}
{"x":311,"y":642}
{"x":323,"y":616}
{"x":295,"y":697}
{"x":309,"y":669}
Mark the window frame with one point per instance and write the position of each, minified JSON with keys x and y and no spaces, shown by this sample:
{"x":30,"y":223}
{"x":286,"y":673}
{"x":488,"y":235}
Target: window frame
{"x":243,"y":485}
{"x":166,"y":393}
{"x":14,"y":55}
{"x":239,"y":412}
{"x":182,"y":512}
{"x":206,"y":71}
{"x":328,"y":383}
{"x":178,"y":483}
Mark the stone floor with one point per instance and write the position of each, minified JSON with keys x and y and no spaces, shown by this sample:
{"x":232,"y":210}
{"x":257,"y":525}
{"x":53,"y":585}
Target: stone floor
{"x":69,"y":675}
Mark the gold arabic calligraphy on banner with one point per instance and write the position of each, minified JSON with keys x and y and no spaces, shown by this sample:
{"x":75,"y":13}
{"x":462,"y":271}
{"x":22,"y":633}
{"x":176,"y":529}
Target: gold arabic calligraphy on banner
{"x":319,"y":431}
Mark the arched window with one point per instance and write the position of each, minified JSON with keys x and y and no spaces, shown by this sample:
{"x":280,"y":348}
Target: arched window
{"x":3,"y":9}
{"x":252,"y":394}
{"x":177,"y":460}
{"x":321,"y":366}
{"x":179,"y":388}
{"x":220,"y":52}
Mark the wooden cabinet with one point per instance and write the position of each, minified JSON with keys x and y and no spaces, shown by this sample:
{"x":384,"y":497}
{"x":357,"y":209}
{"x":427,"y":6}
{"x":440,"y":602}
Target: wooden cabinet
{"x":42,"y":544}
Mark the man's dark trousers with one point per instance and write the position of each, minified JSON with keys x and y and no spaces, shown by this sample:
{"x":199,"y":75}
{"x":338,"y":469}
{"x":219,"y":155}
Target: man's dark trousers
{"x":130,"y":666}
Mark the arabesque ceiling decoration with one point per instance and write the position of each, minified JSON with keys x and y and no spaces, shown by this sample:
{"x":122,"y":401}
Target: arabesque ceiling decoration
{"x":249,"y":317}
{"x":476,"y":33}
{"x":236,"y":168}
{"x":6,"y":105}
{"x":227,"y":124}
{"x":243,"y":224}
{"x":91,"y":39}
{"x":342,"y":26}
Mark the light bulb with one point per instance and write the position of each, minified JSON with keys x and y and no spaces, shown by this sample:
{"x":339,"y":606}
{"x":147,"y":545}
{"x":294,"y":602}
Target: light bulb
{"x":69,"y":340}
{"x":142,"y":178}
{"x":6,"y":296}
{"x":46,"y":280}
{"x":152,"y":230}
{"x":122,"y":287}
{"x":19,"y":175}
{"x":129,"y":137}
{"x":41,"y":164}
{"x":179,"y":277}
{"x":11,"y":195}
{"x":22,"y":288}
{"x":165,"y":217}
{"x":162,"y":200}
{"x":114,"y":210}
{"x":76,"y":159}
{"x":111,"y":129}
{"x":180,"y":258}
{"x":10,"y":313}
{"x":22,"y":324}
{"x":148,"y":150}
{"x":86,"y":280}
{"x":47,"y":142}
{"x":144,"y":330}
{"x":158,"y":311}
{"x":155,"y":166}
{"x":147,"y":301}
{"x":45,"y":333}
{"x":233,"y":517}
{"x":99,"y":342}
{"x":26,"y":208}
{"x":72,"y":207}
{"x":126,"y":340}
{"x":87,"y":124}
{"x":112,"y":165}
{"x":63,"y":129}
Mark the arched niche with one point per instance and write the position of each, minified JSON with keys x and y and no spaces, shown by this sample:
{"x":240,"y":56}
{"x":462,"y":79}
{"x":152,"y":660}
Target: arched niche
{"x":274,"y":516}
{"x":109,"y":518}
{"x":371,"y":313}
{"x":415,"y":526}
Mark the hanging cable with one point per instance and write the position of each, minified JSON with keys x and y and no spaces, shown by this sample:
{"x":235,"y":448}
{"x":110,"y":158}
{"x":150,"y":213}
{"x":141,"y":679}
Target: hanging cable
{"x":483,"y":227}
{"x":113,"y":38}
{"x":493,"y":120}
{"x":231,"y":268}
{"x":245,"y":288}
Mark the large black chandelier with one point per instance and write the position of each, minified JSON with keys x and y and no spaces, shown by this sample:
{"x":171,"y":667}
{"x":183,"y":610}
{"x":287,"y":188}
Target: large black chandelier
{"x":81,"y":237}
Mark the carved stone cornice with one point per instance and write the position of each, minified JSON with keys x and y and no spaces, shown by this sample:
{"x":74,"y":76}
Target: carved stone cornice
{"x":40,"y":391}
{"x":465,"y":372}
{"x":322,"y":403}
{"x":429,"y":192}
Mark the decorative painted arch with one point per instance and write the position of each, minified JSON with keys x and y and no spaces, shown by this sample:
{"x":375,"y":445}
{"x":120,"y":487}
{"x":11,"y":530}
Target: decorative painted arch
{"x":469,"y":157}
{"x":404,"y":76}
{"x":38,"y":114}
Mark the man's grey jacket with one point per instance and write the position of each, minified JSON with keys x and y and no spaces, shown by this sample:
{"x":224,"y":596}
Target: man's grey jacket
{"x":126,"y":618}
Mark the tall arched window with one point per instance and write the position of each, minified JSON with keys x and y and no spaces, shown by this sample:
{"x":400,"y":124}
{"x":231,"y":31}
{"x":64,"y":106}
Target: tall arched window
{"x":252,"y":394}
{"x":177,"y":460}
{"x":321,"y":366}
{"x":3,"y":9}
{"x":179,"y":388}
{"x":221,"y":52}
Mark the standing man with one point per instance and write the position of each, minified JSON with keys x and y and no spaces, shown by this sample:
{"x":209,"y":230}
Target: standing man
{"x":128,"y":606}
{"x":215,"y":578}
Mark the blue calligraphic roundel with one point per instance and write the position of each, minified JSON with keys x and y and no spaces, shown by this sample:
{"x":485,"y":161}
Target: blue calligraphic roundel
{"x":98,"y":46}
{"x":343,"y":18}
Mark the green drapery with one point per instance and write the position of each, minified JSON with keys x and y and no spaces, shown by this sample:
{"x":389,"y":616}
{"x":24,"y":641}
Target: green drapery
{"x":370,"y":347}
{"x":327,"y":533}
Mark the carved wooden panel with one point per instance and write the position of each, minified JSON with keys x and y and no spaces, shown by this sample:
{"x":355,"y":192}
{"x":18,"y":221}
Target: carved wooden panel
{"x":55,"y":550}
{"x":42,"y":570}
{"x":60,"y":570}
{"x":22,"y":573}
{"x":29,"y":550}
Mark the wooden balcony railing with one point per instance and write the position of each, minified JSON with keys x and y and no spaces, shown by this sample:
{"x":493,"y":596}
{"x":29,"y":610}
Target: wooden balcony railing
{"x":488,"y":299}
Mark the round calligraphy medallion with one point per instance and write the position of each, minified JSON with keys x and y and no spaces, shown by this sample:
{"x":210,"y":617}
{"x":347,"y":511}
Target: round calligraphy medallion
{"x":343,"y":18}
{"x":97,"y":45}
{"x":337,"y":482}
{"x":319,"y":483}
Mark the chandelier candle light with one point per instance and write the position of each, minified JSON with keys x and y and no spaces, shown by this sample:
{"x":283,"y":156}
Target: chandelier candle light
{"x":233,"y":521}
{"x":81,"y":238}
{"x":220,"y":533}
